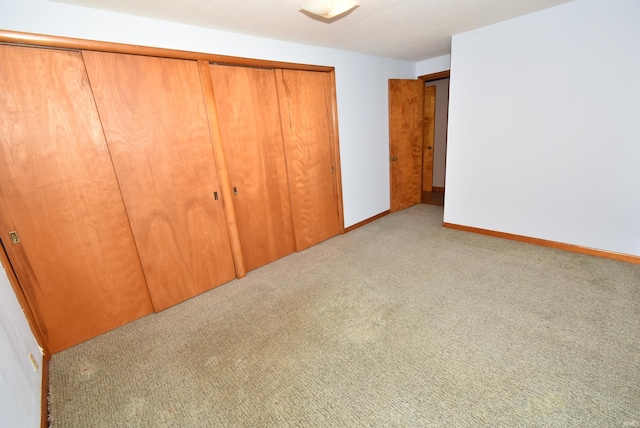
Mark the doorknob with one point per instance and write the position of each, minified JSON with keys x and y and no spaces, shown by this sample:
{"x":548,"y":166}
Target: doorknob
{"x":394,"y":158}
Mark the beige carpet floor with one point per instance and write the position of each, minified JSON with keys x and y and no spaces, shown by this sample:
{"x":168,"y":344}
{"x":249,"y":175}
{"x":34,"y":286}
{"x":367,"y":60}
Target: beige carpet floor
{"x":400,"y":323}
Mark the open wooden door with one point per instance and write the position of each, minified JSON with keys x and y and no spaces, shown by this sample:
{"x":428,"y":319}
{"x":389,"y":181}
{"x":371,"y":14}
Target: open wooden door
{"x":405,"y":142}
{"x":428,"y":134}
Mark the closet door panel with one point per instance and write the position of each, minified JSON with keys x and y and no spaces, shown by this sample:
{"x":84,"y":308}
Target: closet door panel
{"x":306,"y":108}
{"x":156,"y":126}
{"x":76,"y":259}
{"x":249,"y":118}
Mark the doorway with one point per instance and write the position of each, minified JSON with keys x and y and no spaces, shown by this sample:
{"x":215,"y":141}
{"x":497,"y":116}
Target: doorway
{"x":435,"y":195}
{"x":413,"y":113}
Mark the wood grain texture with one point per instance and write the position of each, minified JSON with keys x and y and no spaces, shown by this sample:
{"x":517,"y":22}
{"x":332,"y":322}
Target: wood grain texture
{"x":157,"y":130}
{"x":428,"y":135}
{"x":249,"y":118}
{"x":22,"y":38}
{"x":546,"y":243}
{"x":306,"y":113}
{"x":77,"y":260}
{"x":223,"y":172}
{"x":405,"y":142}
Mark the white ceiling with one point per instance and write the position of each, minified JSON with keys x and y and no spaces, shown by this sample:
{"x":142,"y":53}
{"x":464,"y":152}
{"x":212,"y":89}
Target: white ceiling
{"x":411,"y":30}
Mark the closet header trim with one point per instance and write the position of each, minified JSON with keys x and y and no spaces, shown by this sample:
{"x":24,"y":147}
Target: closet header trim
{"x":41,"y":40}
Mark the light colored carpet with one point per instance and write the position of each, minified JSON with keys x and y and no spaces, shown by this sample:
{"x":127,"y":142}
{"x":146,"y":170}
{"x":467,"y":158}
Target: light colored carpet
{"x":400,"y":323}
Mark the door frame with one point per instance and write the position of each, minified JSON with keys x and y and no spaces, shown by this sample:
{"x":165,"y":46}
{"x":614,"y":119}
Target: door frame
{"x":432,"y":77}
{"x":435,"y":76}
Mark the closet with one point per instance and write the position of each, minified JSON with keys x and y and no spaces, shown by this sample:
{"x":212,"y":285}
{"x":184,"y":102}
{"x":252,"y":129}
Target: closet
{"x":277,"y":127}
{"x":155,"y":123}
{"x":132,"y":179}
{"x":308,"y":121}
{"x":251,"y":134}
{"x":63,"y":220}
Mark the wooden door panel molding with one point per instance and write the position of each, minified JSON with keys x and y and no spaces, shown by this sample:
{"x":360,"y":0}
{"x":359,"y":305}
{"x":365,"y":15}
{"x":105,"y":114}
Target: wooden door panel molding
{"x":156,"y":126}
{"x":306,"y":109}
{"x":249,"y":119}
{"x":405,"y":142}
{"x":60,"y":193}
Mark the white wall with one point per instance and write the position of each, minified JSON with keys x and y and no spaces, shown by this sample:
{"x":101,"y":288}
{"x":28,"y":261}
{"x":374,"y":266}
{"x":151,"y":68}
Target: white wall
{"x":361,"y":81}
{"x":433,"y":65}
{"x":544,"y":134}
{"x":20,"y":385}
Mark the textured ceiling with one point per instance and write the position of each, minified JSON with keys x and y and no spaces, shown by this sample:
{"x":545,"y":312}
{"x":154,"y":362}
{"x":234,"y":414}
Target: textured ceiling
{"x":411,"y":30}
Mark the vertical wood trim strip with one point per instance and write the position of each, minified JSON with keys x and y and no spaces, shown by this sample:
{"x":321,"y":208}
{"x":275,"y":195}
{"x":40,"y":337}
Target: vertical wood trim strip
{"x":285,"y":125}
{"x":223,"y":174}
{"x":336,"y":151}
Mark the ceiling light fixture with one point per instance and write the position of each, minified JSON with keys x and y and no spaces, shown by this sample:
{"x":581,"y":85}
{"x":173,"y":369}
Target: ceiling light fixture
{"x":329,"y":8}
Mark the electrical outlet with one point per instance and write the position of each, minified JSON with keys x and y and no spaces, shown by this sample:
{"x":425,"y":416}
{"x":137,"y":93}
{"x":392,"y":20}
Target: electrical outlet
{"x":34,"y":363}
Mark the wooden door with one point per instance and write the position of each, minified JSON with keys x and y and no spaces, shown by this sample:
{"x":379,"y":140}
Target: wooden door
{"x":157,"y":130}
{"x":76,"y":260}
{"x":307,"y":116}
{"x":249,"y":118}
{"x":405,"y":142}
{"x":428,"y":133}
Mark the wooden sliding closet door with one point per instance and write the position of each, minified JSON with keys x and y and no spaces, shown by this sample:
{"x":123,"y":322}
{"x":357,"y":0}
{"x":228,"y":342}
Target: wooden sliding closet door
{"x":157,"y":129}
{"x":307,"y":115}
{"x":76,"y":258}
{"x":249,"y":118}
